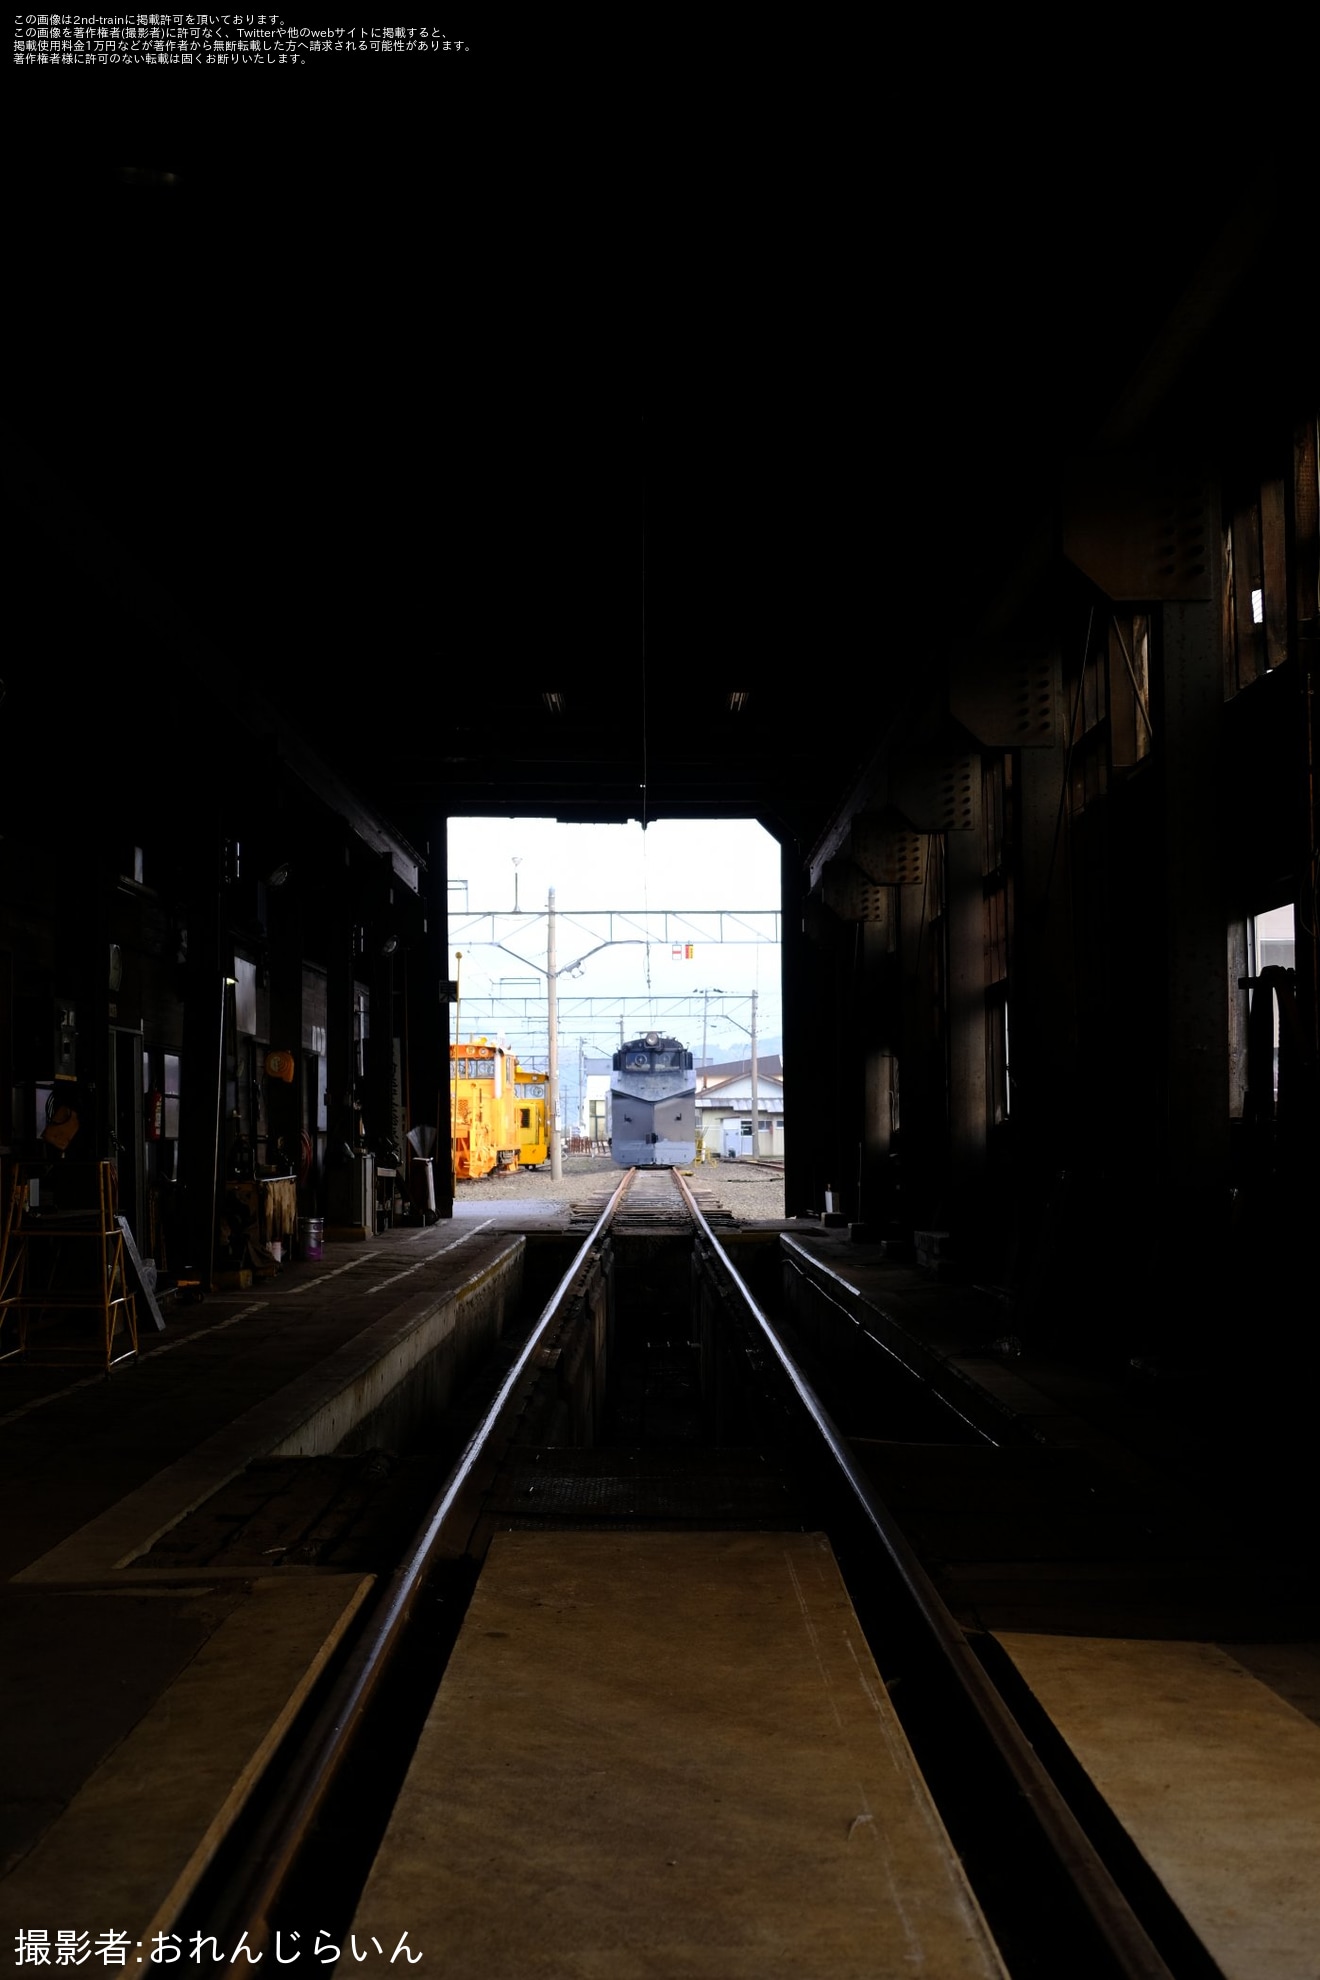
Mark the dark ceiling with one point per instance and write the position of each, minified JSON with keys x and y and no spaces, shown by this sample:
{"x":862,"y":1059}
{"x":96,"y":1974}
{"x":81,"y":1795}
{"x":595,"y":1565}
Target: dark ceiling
{"x":426,"y":424}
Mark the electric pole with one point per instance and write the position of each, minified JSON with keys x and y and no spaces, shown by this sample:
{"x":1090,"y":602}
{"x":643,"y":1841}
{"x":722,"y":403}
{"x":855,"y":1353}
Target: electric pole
{"x":552,"y":1001}
{"x":756,"y":1117}
{"x":706,"y":996}
{"x":582,"y":1085}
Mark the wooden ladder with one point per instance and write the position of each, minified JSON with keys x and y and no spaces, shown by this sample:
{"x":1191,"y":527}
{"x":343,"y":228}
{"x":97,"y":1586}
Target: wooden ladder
{"x":65,"y":1263}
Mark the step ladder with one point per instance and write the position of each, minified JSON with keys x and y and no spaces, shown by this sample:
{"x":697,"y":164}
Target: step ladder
{"x":65,"y":1295}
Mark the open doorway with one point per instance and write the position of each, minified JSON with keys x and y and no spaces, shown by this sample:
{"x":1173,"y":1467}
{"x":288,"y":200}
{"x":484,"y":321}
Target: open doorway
{"x":568,"y":942}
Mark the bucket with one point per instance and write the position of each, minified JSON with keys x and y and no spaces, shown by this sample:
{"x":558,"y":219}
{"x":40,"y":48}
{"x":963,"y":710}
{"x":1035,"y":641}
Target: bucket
{"x":311,"y":1231}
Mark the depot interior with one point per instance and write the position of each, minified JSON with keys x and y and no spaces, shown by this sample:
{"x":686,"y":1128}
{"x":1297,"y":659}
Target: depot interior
{"x":972,"y":549}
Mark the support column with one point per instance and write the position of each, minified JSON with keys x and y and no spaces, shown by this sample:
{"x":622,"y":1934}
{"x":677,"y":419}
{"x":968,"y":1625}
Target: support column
{"x":966,"y":1006}
{"x":877,"y":1031}
{"x":1195,"y":910}
{"x":384,"y":1123}
{"x":922,"y":1139}
{"x":341,"y":1068}
{"x":1042,"y":1016}
{"x":430,"y":1016}
{"x":285,"y":1099}
{"x":805,"y":1123}
{"x":205,"y":1004}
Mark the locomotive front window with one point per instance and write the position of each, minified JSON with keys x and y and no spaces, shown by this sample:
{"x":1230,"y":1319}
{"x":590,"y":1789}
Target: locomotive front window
{"x":637,"y":1061}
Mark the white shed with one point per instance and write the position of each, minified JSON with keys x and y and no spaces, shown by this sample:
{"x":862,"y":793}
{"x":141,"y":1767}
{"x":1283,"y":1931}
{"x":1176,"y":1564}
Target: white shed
{"x":724,"y":1115}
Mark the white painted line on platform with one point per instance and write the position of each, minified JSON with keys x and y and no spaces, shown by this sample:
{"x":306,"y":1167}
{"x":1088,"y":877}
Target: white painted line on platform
{"x":56,"y":1395}
{"x":166,"y":1347}
{"x":306,"y":1417}
{"x":322,"y":1277}
{"x":409,"y":1270}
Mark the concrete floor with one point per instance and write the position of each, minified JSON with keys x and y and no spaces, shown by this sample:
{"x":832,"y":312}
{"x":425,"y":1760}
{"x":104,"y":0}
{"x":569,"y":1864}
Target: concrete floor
{"x":669,"y":1754}
{"x":1214,"y":1776}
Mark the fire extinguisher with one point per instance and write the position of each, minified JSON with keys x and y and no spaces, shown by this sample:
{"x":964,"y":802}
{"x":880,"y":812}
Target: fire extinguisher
{"x":155,"y":1115}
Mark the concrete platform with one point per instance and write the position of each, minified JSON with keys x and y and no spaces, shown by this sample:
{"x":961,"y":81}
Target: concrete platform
{"x":137,"y":1704}
{"x":671,"y":1756}
{"x":292,"y":1367}
{"x":1214,"y":1776}
{"x":164,"y":1773}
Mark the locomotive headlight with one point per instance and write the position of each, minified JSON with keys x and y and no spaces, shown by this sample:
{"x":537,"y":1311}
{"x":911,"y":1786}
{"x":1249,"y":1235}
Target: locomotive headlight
{"x":653,"y":1038}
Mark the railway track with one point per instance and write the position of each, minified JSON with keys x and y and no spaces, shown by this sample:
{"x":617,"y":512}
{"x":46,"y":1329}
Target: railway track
{"x":653,"y":1391}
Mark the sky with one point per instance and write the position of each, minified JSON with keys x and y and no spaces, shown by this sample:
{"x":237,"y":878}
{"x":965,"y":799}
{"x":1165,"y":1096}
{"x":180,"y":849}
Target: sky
{"x":673,"y":866}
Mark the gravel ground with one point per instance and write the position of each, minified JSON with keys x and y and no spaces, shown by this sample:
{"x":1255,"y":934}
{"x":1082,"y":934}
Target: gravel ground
{"x":747,"y":1192}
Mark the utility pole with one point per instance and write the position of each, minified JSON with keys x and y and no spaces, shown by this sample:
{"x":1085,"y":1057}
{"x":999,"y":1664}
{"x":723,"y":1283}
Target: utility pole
{"x":706,"y":996}
{"x":552,"y":1014}
{"x":582,"y":1085}
{"x":756,"y":1116}
{"x":552,"y":999}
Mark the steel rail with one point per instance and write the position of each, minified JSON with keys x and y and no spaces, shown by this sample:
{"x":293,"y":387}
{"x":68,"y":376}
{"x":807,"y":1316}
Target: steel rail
{"x":270,"y":1854}
{"x":1119,"y":1929}
{"x":796,"y":1251}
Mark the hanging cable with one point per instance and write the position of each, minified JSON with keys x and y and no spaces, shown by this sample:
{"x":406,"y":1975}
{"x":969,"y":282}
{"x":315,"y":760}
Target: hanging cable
{"x":646,"y":918}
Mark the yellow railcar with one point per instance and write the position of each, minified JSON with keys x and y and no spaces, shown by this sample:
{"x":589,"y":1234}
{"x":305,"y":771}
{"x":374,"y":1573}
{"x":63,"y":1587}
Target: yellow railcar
{"x":483,"y":1109}
{"x":530,"y":1131}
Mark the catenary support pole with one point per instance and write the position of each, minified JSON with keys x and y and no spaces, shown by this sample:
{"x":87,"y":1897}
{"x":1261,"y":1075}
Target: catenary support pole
{"x":552,"y":999}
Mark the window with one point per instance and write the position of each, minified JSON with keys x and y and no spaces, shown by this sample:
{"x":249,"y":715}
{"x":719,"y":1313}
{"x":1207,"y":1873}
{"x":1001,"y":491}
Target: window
{"x":245,"y":996}
{"x":1264,"y":943}
{"x":1255,"y":585}
{"x":1273,"y":946}
{"x":1273,"y":940}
